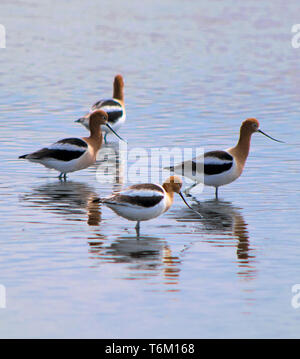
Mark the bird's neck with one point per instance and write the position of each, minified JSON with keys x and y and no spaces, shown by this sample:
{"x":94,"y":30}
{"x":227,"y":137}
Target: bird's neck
{"x":95,"y":139}
{"x":242,"y":148}
{"x":169,"y":195}
{"x":118,"y":93}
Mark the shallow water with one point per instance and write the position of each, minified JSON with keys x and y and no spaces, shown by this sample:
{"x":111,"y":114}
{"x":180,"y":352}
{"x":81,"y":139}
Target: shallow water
{"x":193,"y":71}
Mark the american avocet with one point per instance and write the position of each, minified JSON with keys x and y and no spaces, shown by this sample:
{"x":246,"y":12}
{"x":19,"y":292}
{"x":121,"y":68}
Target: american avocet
{"x":73,"y":154}
{"x":142,"y":202}
{"x":114,"y":107}
{"x":221,"y":167}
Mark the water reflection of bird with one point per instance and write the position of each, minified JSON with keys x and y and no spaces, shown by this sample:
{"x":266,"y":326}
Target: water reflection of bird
{"x":71,"y":199}
{"x":145,"y":258}
{"x":110,"y":165}
{"x":222,"y":222}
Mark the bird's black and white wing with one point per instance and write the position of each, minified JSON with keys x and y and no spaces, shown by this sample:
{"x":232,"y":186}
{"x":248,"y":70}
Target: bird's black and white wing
{"x":212,"y":163}
{"x":217,"y":162}
{"x":142,"y":195}
{"x":112,"y":107}
{"x":65,"y":150}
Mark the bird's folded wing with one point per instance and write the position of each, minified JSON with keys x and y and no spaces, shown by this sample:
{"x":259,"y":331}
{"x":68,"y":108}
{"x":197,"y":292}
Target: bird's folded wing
{"x":63,"y":150}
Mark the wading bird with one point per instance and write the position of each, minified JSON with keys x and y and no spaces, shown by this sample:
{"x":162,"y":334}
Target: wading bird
{"x":145,"y":201}
{"x":73,"y":154}
{"x":220,"y":167}
{"x":114,"y":107}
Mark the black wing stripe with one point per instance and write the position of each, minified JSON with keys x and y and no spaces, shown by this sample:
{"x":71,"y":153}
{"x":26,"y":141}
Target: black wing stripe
{"x":114,"y":116}
{"x":214,"y":169}
{"x":103,"y":103}
{"x":142,"y":201}
{"x":221,"y":155}
{"x":60,"y":155}
{"x":224,"y":162}
{"x":147,"y":186}
{"x":74,"y":141}
{"x":115,"y":113}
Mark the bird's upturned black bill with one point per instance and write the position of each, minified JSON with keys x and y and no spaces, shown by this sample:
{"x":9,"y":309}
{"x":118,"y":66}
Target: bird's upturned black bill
{"x":181,"y":195}
{"x":274,"y":139}
{"x":115,"y":132}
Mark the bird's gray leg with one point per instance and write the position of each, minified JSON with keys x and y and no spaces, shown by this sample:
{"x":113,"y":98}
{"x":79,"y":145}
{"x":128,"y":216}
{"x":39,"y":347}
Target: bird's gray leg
{"x":137,"y":228}
{"x":216,"y":193}
{"x":62,"y":176}
{"x":187,"y":190}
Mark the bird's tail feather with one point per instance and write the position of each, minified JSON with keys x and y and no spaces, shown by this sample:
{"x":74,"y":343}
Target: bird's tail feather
{"x":169,"y":168}
{"x":24,"y":156}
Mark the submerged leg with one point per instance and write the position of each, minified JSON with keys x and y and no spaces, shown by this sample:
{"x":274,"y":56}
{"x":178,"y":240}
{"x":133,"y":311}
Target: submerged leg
{"x":137,"y":228}
{"x":217,"y":192}
{"x":62,"y":176}
{"x":105,"y":141}
{"x":187,"y":190}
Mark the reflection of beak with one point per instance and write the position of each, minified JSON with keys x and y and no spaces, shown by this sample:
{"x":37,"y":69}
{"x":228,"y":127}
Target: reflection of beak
{"x":274,"y":139}
{"x":79,"y":120}
{"x":114,"y":132}
{"x":181,"y":195}
{"x":97,"y":200}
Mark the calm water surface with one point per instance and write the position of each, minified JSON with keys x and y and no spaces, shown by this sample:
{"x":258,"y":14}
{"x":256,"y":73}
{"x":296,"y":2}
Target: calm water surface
{"x":193,"y":72}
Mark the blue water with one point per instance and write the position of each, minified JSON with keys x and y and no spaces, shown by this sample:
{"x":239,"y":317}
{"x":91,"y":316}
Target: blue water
{"x":193,"y":72}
